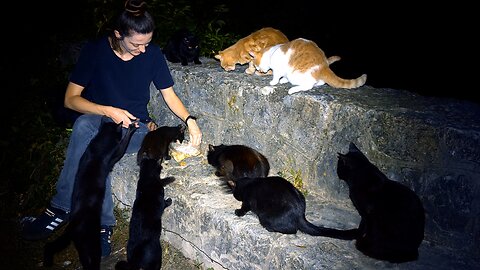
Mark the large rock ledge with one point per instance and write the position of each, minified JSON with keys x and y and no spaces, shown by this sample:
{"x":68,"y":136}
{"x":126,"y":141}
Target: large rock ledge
{"x":431,"y":145}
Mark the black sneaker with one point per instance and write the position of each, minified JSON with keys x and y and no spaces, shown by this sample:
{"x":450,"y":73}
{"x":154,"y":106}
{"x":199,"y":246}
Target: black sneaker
{"x":106,"y":240}
{"x":44,"y":225}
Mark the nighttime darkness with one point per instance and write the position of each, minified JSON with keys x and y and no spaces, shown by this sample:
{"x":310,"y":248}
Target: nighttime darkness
{"x":398,"y":44}
{"x":427,"y":49}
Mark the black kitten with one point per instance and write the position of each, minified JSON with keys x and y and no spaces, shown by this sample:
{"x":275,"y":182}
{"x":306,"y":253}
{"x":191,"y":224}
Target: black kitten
{"x":392,"y":215}
{"x":144,"y":250}
{"x":182,"y":47}
{"x":104,"y":150}
{"x":155,"y":144}
{"x":280,"y":207}
{"x":237,"y":161}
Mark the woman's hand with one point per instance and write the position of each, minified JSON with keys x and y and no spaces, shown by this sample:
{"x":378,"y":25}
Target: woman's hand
{"x":176,"y":105}
{"x":194,"y":132}
{"x":120,"y":115}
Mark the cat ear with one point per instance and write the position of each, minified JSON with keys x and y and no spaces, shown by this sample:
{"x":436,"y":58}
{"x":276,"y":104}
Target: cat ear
{"x":231,"y":184}
{"x":181,"y":127}
{"x":141,"y":155}
{"x":211,"y":147}
{"x":218,"y":56}
{"x":353,"y":148}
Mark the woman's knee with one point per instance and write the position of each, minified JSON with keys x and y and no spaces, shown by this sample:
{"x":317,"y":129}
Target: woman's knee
{"x":87,"y":123}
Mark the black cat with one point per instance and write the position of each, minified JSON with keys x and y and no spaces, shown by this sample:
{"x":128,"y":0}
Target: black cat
{"x":182,"y":47}
{"x":144,"y":250}
{"x":155,"y":144}
{"x":280,"y":207}
{"x":392,"y":215}
{"x":237,"y":161}
{"x":104,"y":150}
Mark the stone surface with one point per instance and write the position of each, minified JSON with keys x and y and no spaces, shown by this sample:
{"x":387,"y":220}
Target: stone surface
{"x":428,"y":144}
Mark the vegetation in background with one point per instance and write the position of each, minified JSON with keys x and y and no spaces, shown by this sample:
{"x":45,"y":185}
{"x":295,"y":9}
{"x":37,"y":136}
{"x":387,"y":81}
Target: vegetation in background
{"x":204,"y":18}
{"x":33,"y":148}
{"x":293,"y":176}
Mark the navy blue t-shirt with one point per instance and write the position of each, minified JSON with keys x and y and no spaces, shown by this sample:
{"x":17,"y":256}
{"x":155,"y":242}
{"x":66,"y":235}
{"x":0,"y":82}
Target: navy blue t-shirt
{"x":108,"y":80}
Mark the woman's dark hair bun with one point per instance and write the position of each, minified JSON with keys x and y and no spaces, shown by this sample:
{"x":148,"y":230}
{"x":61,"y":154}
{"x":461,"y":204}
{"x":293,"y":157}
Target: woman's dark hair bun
{"x":135,"y":7}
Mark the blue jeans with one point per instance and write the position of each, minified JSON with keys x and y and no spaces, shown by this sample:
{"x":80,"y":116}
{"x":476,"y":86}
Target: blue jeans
{"x":84,"y":129}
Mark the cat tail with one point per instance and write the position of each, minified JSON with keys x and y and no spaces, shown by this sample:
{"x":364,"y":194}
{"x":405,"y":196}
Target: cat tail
{"x":311,"y":229}
{"x":329,"y":77}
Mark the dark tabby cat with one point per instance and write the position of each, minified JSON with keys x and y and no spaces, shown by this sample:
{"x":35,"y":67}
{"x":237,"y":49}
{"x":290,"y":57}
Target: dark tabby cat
{"x":155,"y":144}
{"x":392,"y":215}
{"x":144,"y":250}
{"x":104,"y":150}
{"x":237,"y":161}
{"x":280,"y":207}
{"x":183,"y":47}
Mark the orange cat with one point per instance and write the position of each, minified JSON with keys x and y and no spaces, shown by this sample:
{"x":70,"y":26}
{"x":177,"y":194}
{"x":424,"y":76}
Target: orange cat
{"x":302,"y":63}
{"x":238,"y":52}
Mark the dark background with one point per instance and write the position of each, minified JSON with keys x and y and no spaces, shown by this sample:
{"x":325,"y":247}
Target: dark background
{"x":420,"y":47}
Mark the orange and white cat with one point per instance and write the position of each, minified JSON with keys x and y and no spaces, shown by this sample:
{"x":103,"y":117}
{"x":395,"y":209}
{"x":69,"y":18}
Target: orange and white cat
{"x":302,"y":63}
{"x":238,"y":53}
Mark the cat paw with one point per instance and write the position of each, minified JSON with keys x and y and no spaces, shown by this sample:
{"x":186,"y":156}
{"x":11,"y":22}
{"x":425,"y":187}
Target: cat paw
{"x":229,"y":68}
{"x":273,"y":82}
{"x":267,"y":90}
{"x":249,"y":71}
{"x":296,"y":89}
{"x":292,"y":91}
{"x":259,"y":73}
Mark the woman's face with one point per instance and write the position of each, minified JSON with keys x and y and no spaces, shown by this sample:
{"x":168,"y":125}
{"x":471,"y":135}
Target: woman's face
{"x":136,"y":43}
